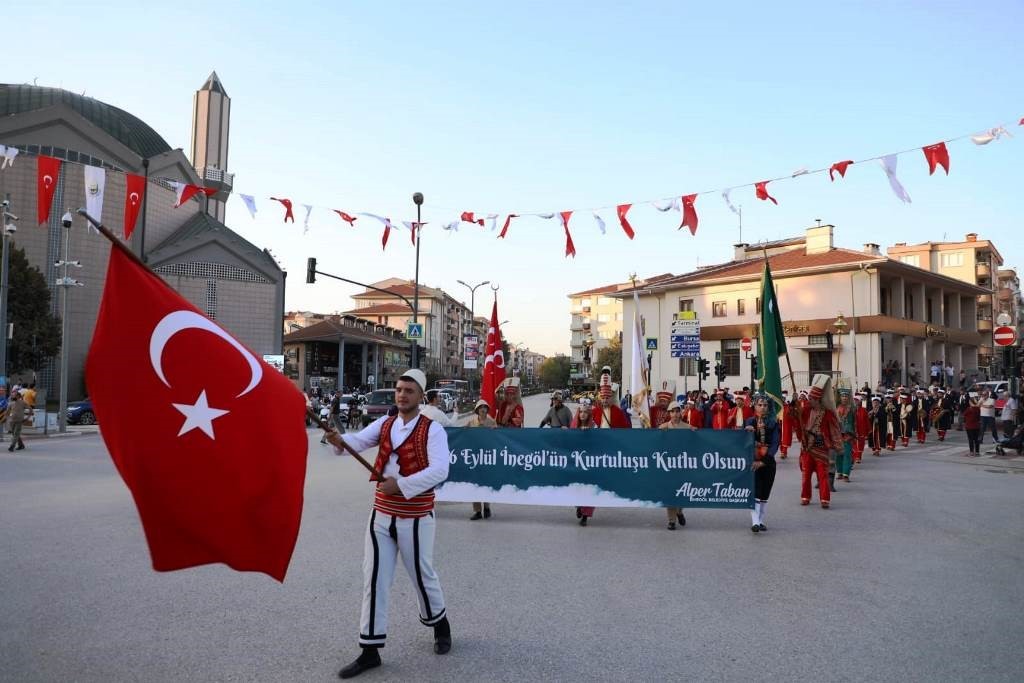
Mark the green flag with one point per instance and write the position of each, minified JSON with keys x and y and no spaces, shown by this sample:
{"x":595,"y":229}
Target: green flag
{"x":771,"y":340}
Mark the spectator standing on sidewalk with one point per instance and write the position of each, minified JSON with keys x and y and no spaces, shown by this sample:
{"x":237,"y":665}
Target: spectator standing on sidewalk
{"x":950,"y":374}
{"x":972,"y":425}
{"x":1009,"y":415}
{"x":17,"y":412}
{"x":987,"y":404}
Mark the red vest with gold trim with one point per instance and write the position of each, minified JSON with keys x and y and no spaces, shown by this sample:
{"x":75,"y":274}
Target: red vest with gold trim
{"x":412,"y":458}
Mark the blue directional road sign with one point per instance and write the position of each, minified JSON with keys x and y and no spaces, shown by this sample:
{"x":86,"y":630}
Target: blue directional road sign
{"x":685,"y":345}
{"x":414,"y":331}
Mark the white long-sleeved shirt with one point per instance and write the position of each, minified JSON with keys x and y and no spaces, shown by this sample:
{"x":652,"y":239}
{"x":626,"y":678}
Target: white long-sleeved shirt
{"x":437,"y":415}
{"x":433,"y":474}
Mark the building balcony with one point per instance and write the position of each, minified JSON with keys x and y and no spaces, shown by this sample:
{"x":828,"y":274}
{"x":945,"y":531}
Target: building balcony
{"x":1005,"y":294}
{"x":984,"y":299}
{"x":984,"y":324}
{"x":220,"y":180}
{"x":982,"y":269}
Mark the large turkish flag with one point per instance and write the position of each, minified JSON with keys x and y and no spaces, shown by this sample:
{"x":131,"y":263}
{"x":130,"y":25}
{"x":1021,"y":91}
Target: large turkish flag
{"x":210,"y":440}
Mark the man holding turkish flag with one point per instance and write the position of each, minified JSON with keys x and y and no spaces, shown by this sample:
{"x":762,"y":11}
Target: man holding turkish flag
{"x":216,"y":456}
{"x":494,"y":363}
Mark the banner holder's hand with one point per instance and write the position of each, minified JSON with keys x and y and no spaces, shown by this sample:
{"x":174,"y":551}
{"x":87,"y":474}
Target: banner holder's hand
{"x":340,"y":443}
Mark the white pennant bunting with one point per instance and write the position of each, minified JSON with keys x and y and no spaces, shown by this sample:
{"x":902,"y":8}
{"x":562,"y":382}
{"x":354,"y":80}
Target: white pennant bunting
{"x":546,"y":216}
{"x":305,"y":222}
{"x":451,"y":227}
{"x":889,"y":166}
{"x":668,"y":205}
{"x":493,"y":218}
{"x":600,"y":223}
{"x":9,"y":153}
{"x":725,"y":196}
{"x":250,"y":203}
{"x":990,"y":135}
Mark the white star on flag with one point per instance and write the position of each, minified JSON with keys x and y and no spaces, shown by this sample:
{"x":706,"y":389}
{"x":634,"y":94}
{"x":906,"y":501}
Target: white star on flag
{"x":199,"y":416}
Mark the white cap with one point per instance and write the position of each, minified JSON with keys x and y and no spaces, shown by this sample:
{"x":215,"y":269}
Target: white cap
{"x":416,"y":375}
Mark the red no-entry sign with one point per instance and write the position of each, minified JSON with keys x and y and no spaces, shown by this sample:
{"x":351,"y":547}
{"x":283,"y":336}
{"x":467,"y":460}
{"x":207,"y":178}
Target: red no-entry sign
{"x":1004,"y":336}
{"x":745,"y":344}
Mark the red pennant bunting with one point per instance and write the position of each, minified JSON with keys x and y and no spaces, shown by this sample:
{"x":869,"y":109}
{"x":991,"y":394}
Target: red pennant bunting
{"x":689,"y":213}
{"x":186,"y":192}
{"x":622,"y":210}
{"x":469,"y":217}
{"x":762,"y":191}
{"x":351,"y":220}
{"x":570,"y":248}
{"x":386,"y":235}
{"x":287,"y":204}
{"x":1021,"y":121}
{"x":840,"y":168}
{"x":508,"y":220}
{"x":413,"y":227}
{"x":47,"y":172}
{"x":134,"y":191}
{"x":937,"y":155}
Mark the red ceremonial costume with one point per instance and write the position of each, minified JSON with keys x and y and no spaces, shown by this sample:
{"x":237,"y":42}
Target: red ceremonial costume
{"x":412,"y":458}
{"x":693,"y":416}
{"x":739,"y":415}
{"x":862,"y":422}
{"x":786,"y":439}
{"x":720,"y":414}
{"x":819,"y":438}
{"x":611,"y":417}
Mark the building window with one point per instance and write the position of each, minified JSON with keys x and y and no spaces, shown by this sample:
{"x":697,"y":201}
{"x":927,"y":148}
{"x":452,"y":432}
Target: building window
{"x":218,"y":271}
{"x":741,"y":306}
{"x":685,"y":305}
{"x":731,"y":356}
{"x":605,"y":301}
{"x":952,"y":258}
{"x":908,"y":306}
{"x":883,"y":300}
{"x":719,"y":309}
{"x":687,"y":367}
{"x":604,"y":317}
{"x":816,"y":340}
{"x":928,"y":305}
{"x":911,"y":260}
{"x":819,"y":361}
{"x":757,"y":305}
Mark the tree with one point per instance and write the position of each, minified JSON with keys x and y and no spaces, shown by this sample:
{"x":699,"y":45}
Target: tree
{"x":36,"y":331}
{"x":611,"y":356}
{"x":554,"y":372}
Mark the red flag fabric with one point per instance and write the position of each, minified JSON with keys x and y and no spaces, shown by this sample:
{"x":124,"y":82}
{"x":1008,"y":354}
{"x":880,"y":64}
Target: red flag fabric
{"x":47,"y":172}
{"x":185,"y":192}
{"x":838,"y":167}
{"x":217,"y":463}
{"x":494,"y":362}
{"x":351,"y":220}
{"x":508,"y":220}
{"x":622,"y":210}
{"x":689,"y":213}
{"x":386,"y":235}
{"x":937,"y":155}
{"x":570,"y":248}
{"x":470,"y":217}
{"x":761,"y":189}
{"x":287,"y":204}
{"x":134,"y":191}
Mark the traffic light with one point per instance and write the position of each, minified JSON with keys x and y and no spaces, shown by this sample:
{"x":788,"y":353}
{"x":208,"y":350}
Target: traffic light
{"x":719,"y":371}
{"x":311,"y":270}
{"x":703,"y":367}
{"x":753,"y":367}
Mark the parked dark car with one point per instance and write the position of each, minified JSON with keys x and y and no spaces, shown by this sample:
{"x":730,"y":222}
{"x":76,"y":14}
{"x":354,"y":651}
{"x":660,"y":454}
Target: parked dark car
{"x":379,"y":404}
{"x":80,"y":413}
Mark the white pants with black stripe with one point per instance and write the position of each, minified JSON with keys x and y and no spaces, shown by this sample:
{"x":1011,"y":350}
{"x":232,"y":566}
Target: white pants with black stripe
{"x":387,"y":537}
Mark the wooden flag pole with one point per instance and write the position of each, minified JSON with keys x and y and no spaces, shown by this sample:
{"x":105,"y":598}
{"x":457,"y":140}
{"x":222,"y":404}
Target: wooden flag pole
{"x":789,"y":365}
{"x":351,"y":451}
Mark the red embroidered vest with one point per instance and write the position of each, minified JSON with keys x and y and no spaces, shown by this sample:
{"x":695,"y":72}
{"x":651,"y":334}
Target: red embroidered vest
{"x":412,"y":458}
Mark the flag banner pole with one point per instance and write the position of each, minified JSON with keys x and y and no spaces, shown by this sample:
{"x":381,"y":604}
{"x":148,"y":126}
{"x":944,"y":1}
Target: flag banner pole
{"x":351,"y":451}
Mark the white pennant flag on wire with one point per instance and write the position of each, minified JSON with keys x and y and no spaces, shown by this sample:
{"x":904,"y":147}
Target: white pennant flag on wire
{"x":250,"y":203}
{"x":889,"y":166}
{"x":667,"y":205}
{"x":8,"y":153}
{"x":305,"y":222}
{"x":728,"y":202}
{"x":546,"y":216}
{"x":493,"y":218}
{"x":600,"y":223}
{"x":453,"y":226}
{"x":990,"y":135}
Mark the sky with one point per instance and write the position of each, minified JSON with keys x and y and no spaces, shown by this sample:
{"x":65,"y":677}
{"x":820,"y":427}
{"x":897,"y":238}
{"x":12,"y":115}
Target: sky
{"x":546,"y":107}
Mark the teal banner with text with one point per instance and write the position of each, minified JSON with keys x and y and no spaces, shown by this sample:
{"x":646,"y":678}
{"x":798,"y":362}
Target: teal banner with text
{"x":601,"y":467}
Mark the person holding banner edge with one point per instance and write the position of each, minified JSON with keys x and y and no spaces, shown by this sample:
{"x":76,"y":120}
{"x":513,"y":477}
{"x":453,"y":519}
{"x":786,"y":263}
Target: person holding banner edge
{"x":675,"y":421}
{"x":767,"y":435}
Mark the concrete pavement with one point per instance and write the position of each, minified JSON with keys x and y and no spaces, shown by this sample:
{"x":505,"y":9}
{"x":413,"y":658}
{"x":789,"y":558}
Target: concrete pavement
{"x":913,"y":575}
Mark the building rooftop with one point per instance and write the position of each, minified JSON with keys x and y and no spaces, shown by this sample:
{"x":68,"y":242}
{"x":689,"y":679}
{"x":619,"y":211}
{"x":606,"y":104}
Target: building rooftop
{"x":125,"y":128}
{"x":406,"y":289}
{"x":970,"y":241}
{"x":213,"y":84}
{"x":348,"y":327}
{"x":382,"y":309}
{"x":201,"y":224}
{"x":609,"y":289}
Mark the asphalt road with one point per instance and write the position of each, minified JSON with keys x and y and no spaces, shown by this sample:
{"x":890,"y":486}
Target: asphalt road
{"x":914,"y":575}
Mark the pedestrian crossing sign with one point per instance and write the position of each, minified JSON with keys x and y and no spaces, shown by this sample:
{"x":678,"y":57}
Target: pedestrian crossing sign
{"x":652,"y":343}
{"x":414,"y":331}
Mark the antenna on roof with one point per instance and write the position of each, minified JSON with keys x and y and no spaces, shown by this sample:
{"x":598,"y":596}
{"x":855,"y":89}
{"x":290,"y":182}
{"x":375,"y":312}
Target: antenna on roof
{"x":741,"y":223}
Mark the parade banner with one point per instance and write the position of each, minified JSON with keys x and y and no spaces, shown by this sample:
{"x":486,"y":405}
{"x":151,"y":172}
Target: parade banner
{"x":601,"y":467}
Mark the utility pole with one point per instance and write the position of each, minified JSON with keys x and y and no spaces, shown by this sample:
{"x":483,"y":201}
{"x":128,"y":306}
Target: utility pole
{"x":417,"y":199}
{"x":8,"y":229}
{"x":65,"y":282}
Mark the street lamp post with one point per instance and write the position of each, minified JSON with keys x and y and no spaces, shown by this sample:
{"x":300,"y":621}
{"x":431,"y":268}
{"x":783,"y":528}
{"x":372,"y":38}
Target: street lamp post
{"x":65,"y":283}
{"x":841,"y":327}
{"x":7,"y":222}
{"x":417,"y":199}
{"x":472,"y":313}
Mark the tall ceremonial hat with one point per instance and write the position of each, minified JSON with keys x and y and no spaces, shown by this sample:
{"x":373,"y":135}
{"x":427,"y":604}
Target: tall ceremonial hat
{"x":821,"y":389}
{"x":876,"y":397}
{"x":605,"y":388}
{"x":511,"y":385}
{"x":667,"y":391}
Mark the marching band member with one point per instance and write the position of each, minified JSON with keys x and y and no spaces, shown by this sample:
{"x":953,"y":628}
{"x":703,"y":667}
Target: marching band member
{"x":876,"y":416}
{"x":848,"y":432}
{"x":908,"y":418}
{"x":766,"y":443}
{"x":862,"y":421}
{"x":819,"y":440}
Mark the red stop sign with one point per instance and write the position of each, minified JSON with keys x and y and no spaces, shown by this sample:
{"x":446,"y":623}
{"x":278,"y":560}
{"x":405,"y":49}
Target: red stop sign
{"x":1004,"y":336}
{"x":745,"y":344}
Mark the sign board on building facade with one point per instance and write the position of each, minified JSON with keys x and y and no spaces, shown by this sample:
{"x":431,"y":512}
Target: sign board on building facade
{"x":471,"y":351}
{"x":685,"y":339}
{"x":275,"y":361}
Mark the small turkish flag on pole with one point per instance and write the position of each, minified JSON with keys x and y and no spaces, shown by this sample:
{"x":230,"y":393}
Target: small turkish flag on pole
{"x":134,"y":191}
{"x":494,"y":362}
{"x":215,"y":457}
{"x":47,"y":171}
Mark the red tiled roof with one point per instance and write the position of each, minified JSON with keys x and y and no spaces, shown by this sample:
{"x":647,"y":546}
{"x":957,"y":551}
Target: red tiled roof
{"x":331,"y":330}
{"x":406,"y":290}
{"x":396,"y":308}
{"x":607,"y":289}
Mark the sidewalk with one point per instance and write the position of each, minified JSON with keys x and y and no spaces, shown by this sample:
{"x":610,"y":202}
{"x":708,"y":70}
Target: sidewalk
{"x":954,"y":449}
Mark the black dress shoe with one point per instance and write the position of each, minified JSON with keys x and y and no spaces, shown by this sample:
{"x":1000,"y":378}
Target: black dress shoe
{"x":476,"y":516}
{"x":579,"y":513}
{"x":762,"y":527}
{"x":442,"y":637}
{"x":583,"y":521}
{"x":487,"y":512}
{"x":681,"y":518}
{"x":672,"y":526}
{"x":370,"y":659}
{"x":755,"y":528}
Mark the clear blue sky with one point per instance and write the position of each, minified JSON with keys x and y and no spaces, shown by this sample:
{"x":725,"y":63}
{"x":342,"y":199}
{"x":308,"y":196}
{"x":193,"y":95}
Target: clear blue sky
{"x":539,"y":106}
